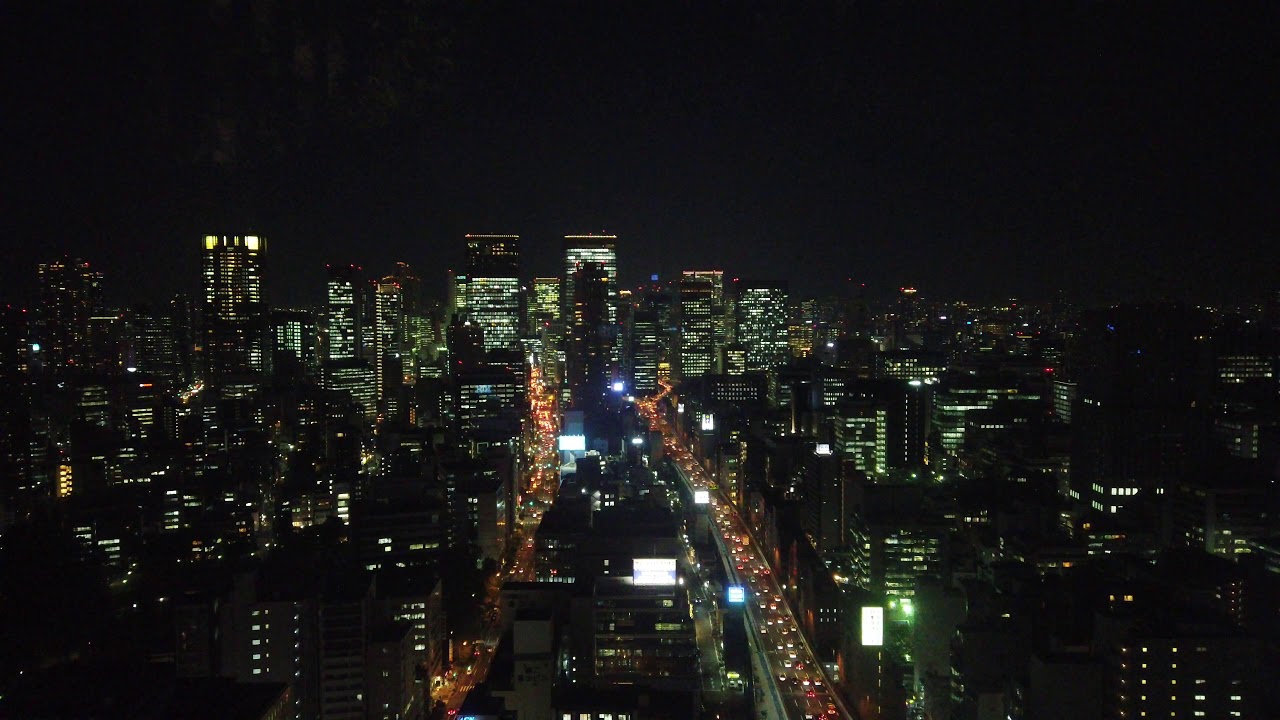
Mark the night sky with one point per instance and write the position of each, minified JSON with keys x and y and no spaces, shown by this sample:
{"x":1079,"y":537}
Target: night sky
{"x":1112,"y":150}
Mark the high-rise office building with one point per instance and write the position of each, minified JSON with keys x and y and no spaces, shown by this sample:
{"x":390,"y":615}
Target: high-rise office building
{"x":344,"y":300}
{"x":458,"y":282}
{"x":293,"y":342}
{"x":588,"y":364}
{"x":545,"y":307}
{"x":70,"y":293}
{"x":160,"y":340}
{"x":418,"y":331}
{"x":601,"y":249}
{"x":493,"y":290}
{"x":388,"y":334}
{"x":760,"y":311}
{"x":234,"y":310}
{"x":646,"y":350}
{"x":701,"y":294}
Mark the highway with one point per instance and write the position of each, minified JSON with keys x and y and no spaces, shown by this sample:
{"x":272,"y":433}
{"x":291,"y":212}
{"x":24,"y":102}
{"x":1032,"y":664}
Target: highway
{"x":800,"y":680}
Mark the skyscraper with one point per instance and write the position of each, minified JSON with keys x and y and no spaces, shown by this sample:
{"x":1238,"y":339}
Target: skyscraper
{"x":646,"y":350}
{"x":344,"y":298}
{"x":493,"y":290}
{"x":388,"y":334}
{"x":545,"y":307}
{"x":234,"y":310}
{"x":701,"y":292}
{"x":458,"y":283}
{"x":70,"y":293}
{"x":761,"y":322}
{"x":600,"y":249}
{"x":588,"y":361}
{"x":293,"y":343}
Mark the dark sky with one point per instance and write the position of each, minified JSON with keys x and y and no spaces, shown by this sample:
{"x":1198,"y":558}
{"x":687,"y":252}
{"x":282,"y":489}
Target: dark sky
{"x":978,"y":150}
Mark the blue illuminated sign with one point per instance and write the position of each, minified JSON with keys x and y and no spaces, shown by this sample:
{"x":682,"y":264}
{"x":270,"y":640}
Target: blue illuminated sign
{"x":735,"y":594}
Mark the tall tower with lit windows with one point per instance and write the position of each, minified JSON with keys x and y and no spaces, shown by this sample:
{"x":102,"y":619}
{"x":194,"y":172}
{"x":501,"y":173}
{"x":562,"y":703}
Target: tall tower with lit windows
{"x":233,"y":311}
{"x":493,"y":289}
{"x":70,"y":293}
{"x":344,"y":296}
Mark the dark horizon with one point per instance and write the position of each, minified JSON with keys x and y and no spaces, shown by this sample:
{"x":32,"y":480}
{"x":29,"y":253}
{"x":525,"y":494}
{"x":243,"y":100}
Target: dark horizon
{"x":1107,"y":152}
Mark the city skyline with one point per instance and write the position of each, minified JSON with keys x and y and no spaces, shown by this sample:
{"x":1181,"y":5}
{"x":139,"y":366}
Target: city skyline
{"x":444,"y":360}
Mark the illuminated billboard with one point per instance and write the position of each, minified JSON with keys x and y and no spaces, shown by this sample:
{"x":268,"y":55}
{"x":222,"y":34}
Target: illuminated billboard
{"x":823,"y":449}
{"x":708,"y":422}
{"x":735,"y":594}
{"x":653,"y":571}
{"x":573,"y":443}
{"x":701,"y":497}
{"x":873,"y":626}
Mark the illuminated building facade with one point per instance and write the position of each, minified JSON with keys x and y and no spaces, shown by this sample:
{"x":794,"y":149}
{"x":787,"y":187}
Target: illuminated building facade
{"x":644,"y":634}
{"x":458,"y":283}
{"x":546,"y":302}
{"x":70,"y":293}
{"x":388,"y":334}
{"x":700,"y":297}
{"x":646,"y":350}
{"x":760,"y":311}
{"x":599,"y":249}
{"x":493,"y":290}
{"x":234,"y":311}
{"x":293,"y":342}
{"x":802,"y":324}
{"x":345,"y":310}
{"x":861,"y":434}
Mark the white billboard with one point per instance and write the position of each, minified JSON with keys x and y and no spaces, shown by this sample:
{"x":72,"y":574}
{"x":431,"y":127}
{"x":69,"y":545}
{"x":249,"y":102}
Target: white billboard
{"x":708,"y":422}
{"x":573,"y":443}
{"x":823,"y":449}
{"x":873,"y":626}
{"x":736,"y":595}
{"x":653,"y":571}
{"x":701,"y":497}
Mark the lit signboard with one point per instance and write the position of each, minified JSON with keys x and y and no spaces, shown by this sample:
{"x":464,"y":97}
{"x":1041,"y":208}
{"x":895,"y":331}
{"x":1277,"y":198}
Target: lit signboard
{"x":735,"y":594}
{"x":823,"y":449}
{"x":701,"y":497}
{"x":618,"y":386}
{"x":573,"y":443}
{"x":708,"y":422}
{"x":653,"y":571}
{"x":679,"y":407}
{"x":873,"y":626}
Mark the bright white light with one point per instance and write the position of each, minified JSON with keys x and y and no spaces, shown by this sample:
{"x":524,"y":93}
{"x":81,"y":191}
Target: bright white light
{"x":618,"y":386}
{"x":823,"y":449}
{"x":736,"y":595}
{"x":637,"y":440}
{"x":873,"y":626}
{"x":680,"y":407}
{"x":915,"y":383}
{"x":701,"y":497}
{"x":830,"y":344}
{"x":573,"y":443}
{"x":708,"y":422}
{"x":653,"y":571}
{"x":35,"y":347}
